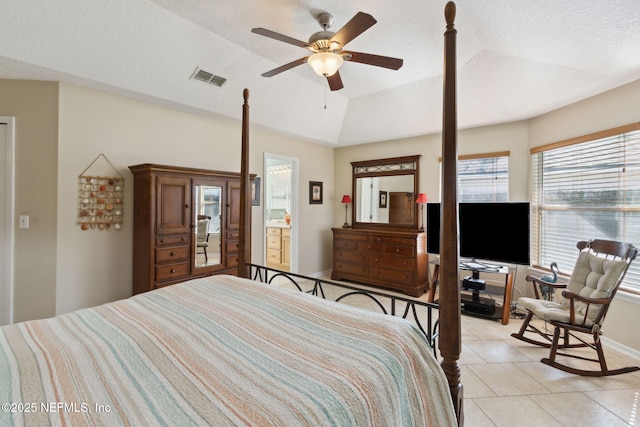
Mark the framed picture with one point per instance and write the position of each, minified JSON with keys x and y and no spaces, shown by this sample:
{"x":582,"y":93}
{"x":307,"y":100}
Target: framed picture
{"x":315,"y":192}
{"x":255,"y":192}
{"x":383,"y":199}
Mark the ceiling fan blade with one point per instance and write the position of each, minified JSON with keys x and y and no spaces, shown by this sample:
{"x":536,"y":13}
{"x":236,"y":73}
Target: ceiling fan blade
{"x":285,"y":67}
{"x":335,"y":82}
{"x":280,"y":37}
{"x":352,"y":29}
{"x":377,"y":60}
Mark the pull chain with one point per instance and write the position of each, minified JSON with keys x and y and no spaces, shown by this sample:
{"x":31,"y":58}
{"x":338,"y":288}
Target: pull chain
{"x":325,"y":97}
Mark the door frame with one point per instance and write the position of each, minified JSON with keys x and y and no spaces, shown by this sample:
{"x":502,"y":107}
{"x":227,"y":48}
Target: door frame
{"x":7,"y":127}
{"x":295,"y":197}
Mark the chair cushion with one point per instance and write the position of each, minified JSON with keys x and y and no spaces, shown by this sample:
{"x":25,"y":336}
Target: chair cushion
{"x":547,"y":310}
{"x":593,"y":277}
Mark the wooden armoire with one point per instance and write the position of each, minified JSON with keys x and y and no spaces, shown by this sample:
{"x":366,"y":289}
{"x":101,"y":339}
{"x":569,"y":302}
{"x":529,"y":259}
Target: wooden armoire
{"x":168,"y":202}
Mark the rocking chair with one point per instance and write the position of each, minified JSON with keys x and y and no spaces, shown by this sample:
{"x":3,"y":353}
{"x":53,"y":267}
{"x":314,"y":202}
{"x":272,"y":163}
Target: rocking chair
{"x":599,"y":270}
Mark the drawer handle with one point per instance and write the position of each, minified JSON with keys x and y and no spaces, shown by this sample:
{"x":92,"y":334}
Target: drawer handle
{"x":397,"y":249}
{"x":173,"y":253}
{"x":377,"y":259}
{"x":173,"y":270}
{"x":161,"y":240}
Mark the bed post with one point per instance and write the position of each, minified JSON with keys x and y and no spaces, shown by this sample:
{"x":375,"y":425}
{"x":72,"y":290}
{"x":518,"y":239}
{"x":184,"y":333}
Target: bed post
{"x":244,"y":249}
{"x":450,"y":343}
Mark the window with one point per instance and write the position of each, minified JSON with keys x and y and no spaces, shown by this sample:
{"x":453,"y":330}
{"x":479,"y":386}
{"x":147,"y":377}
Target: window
{"x":209,"y":202}
{"x":586,"y":188}
{"x":483,"y":178}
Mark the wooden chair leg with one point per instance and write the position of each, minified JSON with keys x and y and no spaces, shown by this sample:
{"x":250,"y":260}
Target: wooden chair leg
{"x":527,"y":327}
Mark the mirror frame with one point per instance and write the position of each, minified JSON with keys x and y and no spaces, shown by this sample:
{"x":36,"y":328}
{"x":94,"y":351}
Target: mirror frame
{"x":393,"y":166}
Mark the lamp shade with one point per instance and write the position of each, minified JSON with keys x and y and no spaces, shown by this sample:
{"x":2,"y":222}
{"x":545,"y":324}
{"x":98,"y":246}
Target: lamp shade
{"x":325,"y":63}
{"x":422,"y":198}
{"x":346,"y":199}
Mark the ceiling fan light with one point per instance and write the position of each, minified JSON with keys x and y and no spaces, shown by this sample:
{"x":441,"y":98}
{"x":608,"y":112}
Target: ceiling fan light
{"x":325,"y":63}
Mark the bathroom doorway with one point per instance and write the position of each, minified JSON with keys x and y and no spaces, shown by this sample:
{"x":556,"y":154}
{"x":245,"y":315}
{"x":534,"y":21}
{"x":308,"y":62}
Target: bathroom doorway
{"x":281,"y":212}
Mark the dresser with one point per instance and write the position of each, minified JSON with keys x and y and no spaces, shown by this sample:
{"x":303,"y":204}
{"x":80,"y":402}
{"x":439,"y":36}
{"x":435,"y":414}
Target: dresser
{"x":278,"y":247}
{"x":393,"y":259}
{"x":169,"y":202}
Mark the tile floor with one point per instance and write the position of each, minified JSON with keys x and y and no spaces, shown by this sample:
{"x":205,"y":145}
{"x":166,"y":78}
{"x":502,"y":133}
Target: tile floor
{"x":506,"y":385}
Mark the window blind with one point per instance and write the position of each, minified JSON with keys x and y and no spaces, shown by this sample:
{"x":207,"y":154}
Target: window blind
{"x":483,"y":179}
{"x":586,"y":190}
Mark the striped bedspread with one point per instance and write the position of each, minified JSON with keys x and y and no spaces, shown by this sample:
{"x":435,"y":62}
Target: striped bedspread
{"x":220,"y":351}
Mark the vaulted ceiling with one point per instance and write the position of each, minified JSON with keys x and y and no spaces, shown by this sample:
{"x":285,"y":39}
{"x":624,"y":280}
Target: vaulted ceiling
{"x":515,"y":60}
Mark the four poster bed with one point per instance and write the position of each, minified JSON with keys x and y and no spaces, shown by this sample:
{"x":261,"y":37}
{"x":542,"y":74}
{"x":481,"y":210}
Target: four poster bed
{"x":225,"y":350}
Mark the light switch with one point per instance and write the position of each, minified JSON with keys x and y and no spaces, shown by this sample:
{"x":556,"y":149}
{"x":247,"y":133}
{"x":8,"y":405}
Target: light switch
{"x":24,"y":221}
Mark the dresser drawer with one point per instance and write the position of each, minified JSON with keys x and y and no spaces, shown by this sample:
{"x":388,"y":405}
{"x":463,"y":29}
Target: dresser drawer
{"x":393,"y":240}
{"x":232,"y":260}
{"x":232,"y":246}
{"x":166,"y":273}
{"x":351,"y":257}
{"x":371,"y":247}
{"x":399,"y":263}
{"x":360,"y":269}
{"x":391,"y":276}
{"x":171,"y":254}
{"x":345,"y":244}
{"x":350,"y":235}
{"x":172,"y":240}
{"x":404,"y":251}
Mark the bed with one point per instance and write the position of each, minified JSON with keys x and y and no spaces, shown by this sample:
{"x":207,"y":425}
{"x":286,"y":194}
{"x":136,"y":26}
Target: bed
{"x":226,"y":350}
{"x":221,"y":350}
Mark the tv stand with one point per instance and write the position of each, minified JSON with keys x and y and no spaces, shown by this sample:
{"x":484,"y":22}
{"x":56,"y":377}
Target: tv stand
{"x":473,"y":303}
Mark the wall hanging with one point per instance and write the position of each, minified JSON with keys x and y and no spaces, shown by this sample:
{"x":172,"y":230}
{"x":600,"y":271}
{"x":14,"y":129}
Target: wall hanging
{"x":100,"y":196}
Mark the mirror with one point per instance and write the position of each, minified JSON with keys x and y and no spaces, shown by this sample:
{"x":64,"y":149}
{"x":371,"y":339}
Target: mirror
{"x":384,"y":192}
{"x":208,"y":224}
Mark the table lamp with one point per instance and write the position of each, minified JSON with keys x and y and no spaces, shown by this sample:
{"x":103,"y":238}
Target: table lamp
{"x":422,"y":199}
{"x":346,"y":199}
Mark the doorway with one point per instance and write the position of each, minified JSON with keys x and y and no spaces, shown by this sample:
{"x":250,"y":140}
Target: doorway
{"x":281,"y":212}
{"x":7,"y":149}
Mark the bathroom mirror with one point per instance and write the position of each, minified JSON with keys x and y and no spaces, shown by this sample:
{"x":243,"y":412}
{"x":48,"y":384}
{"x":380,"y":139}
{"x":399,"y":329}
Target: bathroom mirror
{"x":384,"y":192}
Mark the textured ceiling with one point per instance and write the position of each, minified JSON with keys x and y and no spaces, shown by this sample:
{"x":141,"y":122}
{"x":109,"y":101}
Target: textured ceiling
{"x":515,"y":60}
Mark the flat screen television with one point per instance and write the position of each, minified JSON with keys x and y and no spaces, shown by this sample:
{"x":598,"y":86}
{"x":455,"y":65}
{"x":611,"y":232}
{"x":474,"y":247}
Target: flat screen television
{"x":497,"y":232}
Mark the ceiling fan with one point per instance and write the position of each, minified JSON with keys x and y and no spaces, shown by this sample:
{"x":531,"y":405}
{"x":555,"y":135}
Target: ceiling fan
{"x":326,"y":47}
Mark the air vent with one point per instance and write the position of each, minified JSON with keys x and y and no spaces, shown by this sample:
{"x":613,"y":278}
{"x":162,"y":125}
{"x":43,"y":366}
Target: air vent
{"x":207,"y":77}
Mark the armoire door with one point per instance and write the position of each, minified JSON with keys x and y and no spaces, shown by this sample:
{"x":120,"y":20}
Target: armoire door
{"x":173,"y":206}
